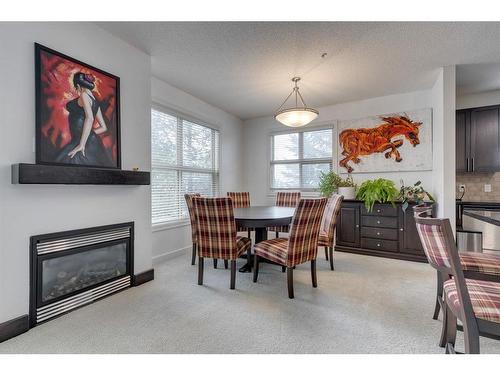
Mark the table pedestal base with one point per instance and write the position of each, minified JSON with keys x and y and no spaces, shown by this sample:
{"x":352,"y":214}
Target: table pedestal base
{"x":260,"y":235}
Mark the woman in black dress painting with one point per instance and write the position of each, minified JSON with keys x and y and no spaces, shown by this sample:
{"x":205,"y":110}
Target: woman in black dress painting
{"x":86,"y":147}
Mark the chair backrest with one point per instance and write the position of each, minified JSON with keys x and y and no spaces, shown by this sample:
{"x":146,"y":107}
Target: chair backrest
{"x":287,"y":198}
{"x":439,"y":247}
{"x":330,"y":216}
{"x":304,"y":232}
{"x":215,"y":228}
{"x":240,"y":198}
{"x":189,"y":204}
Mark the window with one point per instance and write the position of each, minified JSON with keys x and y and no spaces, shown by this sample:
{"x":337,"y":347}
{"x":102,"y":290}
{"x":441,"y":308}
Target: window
{"x":185,"y":159}
{"x":298,"y":159}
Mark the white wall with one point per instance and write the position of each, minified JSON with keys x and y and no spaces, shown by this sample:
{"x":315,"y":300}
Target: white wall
{"x":169,"y":241}
{"x":481,"y":99}
{"x":27,"y":210}
{"x":256,"y":134}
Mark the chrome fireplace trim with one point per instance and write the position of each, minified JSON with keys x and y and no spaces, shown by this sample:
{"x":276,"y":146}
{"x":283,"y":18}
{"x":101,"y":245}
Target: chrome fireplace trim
{"x":47,"y":247}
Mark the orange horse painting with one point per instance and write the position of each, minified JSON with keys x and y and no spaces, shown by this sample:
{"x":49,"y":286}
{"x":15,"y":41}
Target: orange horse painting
{"x":366,"y":141}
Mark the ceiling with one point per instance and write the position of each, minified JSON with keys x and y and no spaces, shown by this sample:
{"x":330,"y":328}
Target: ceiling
{"x":475,"y":78}
{"x":245,"y":68}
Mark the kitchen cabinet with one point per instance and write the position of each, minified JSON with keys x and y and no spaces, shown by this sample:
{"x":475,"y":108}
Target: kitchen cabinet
{"x":478,"y":140}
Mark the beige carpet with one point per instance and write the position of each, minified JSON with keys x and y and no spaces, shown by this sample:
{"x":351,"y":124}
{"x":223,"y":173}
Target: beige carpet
{"x":368,"y":305}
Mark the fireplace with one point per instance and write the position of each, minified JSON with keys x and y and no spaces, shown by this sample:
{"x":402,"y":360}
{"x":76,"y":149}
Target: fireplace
{"x":74,"y":268}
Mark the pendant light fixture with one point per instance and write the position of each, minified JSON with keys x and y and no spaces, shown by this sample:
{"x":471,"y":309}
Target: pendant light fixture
{"x":295,"y":116}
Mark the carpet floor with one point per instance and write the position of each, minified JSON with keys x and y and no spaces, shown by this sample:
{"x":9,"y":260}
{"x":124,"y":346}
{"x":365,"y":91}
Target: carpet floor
{"x":367,"y":305}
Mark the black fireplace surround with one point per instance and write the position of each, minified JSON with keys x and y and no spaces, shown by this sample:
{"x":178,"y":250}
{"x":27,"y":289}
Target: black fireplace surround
{"x":74,"y":268}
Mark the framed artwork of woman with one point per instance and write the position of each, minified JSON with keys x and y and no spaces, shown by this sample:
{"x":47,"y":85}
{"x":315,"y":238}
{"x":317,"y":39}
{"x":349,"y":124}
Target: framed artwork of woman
{"x":77,"y":112}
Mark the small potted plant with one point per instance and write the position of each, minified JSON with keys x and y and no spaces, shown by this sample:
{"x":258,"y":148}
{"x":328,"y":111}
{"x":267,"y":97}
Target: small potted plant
{"x":347,"y":188}
{"x":413,"y":194}
{"x":331,"y":182}
{"x":380,"y":190}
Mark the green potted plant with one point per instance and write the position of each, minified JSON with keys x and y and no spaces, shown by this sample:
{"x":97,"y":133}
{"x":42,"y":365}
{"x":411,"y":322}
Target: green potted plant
{"x":331,"y":182}
{"x":328,"y":183}
{"x":413,"y":194}
{"x":347,"y":188}
{"x":380,"y":190}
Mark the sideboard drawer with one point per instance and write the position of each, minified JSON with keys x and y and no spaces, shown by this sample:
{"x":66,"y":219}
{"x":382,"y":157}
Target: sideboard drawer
{"x":379,"y":221}
{"x":382,"y":245}
{"x":381,"y":233}
{"x":380,"y":210}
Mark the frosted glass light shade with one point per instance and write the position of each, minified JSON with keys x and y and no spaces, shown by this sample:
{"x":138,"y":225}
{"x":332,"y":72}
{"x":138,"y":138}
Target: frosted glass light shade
{"x":296,"y":117}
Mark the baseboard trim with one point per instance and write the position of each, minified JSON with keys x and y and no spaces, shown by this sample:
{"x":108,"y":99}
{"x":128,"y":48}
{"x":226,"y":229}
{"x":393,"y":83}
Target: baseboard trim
{"x":170,"y":255}
{"x":14,"y":327}
{"x":144,"y":277}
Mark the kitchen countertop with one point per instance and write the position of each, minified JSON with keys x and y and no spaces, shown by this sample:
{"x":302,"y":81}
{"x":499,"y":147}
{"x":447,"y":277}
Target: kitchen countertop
{"x":488,"y":216}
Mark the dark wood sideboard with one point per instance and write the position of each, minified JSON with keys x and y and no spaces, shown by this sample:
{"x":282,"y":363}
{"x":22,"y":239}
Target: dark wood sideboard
{"x":386,"y":231}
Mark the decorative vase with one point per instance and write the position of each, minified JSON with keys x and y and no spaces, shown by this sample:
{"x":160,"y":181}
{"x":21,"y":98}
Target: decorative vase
{"x":348,"y":192}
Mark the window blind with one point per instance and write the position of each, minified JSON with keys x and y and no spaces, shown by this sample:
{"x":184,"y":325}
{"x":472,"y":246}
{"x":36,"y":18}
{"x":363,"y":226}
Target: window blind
{"x":184,"y":159}
{"x":298,"y":159}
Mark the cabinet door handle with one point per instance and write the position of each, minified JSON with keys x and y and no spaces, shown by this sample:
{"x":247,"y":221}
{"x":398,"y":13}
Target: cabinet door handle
{"x":472,"y":161}
{"x":378,"y":211}
{"x":468,"y":170}
{"x":401,"y":229}
{"x":357,"y":225}
{"x":378,"y":221}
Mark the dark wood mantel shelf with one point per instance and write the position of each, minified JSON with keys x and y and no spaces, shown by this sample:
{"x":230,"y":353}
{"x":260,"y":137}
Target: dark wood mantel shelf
{"x":67,"y":175}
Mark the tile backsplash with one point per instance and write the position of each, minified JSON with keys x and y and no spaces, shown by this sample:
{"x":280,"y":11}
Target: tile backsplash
{"x":474,"y":187}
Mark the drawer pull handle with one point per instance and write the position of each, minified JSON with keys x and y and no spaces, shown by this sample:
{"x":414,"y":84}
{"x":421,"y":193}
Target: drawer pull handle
{"x":401,"y":229}
{"x":378,"y":233}
{"x":378,"y":221}
{"x":378,"y":245}
{"x":378,"y":211}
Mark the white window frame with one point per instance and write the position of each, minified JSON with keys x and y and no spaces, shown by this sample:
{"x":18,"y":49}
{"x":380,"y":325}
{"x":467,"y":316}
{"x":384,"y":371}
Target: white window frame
{"x":180,"y":115}
{"x":301,"y":160}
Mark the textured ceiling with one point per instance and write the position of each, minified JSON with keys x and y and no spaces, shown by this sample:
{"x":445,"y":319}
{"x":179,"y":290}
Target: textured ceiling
{"x":245,"y":68}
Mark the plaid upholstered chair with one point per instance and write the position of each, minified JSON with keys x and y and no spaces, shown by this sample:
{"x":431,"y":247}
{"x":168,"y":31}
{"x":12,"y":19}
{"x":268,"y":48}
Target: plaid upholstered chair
{"x":240,"y":199}
{"x":475,"y":302}
{"x":189,"y":204}
{"x":477,"y":266}
{"x":285,"y":199}
{"x":328,"y":225}
{"x":216,"y":234}
{"x":300,"y":247}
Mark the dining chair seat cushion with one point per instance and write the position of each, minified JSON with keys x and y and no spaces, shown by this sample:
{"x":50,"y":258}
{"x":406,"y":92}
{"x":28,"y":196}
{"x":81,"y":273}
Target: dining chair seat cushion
{"x":324,"y":240}
{"x":484,"y":295}
{"x":281,"y":229}
{"x":243,"y":243}
{"x":275,"y":250}
{"x":488,"y":264}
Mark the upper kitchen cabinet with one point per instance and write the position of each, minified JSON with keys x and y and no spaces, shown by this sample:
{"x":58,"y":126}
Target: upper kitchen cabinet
{"x":478,"y":140}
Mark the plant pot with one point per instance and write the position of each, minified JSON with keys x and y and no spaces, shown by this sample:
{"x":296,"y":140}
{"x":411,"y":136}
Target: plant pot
{"x":347,"y":192}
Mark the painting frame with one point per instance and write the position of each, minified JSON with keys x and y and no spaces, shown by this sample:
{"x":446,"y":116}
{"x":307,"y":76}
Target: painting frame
{"x":39,"y":157}
{"x":425,"y":144}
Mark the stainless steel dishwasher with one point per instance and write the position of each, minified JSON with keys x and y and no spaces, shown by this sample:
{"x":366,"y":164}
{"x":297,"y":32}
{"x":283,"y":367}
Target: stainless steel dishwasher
{"x":480,"y":229}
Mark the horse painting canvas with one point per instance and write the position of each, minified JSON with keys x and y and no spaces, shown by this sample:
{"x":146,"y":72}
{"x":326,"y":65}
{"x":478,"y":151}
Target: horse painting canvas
{"x":386,"y":143}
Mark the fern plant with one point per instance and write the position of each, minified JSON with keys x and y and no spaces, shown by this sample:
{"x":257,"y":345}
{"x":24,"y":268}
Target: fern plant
{"x":380,"y":190}
{"x":328,"y":183}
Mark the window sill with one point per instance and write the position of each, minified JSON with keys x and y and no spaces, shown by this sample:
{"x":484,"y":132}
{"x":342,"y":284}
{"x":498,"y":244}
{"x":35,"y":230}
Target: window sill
{"x":170,"y":225}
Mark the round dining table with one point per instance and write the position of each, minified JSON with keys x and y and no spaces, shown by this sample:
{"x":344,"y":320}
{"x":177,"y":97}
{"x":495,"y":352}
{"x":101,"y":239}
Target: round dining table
{"x":259,"y":218}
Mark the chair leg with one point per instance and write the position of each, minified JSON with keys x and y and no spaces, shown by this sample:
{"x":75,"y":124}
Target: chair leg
{"x":249,"y":233}
{"x":289,"y":277}
{"x":283,"y":269}
{"x":200,"y":270}
{"x":451,"y":327}
{"x":226,"y":264}
{"x":313,"y":274}
{"x":277,"y":234}
{"x":233,"y":274}
{"x":439,"y":295}
{"x":255,"y":268}
{"x":330,"y":250}
{"x":442,"y":339}
{"x":215,"y":263}
{"x":326,"y":253}
{"x":471,"y":340}
{"x":193,"y":255}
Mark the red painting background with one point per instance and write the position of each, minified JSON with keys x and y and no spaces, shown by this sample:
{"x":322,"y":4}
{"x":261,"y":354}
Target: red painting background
{"x":56,"y":76}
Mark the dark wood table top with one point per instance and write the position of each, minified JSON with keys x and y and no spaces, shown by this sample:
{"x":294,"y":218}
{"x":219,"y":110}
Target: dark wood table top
{"x":263,"y":216}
